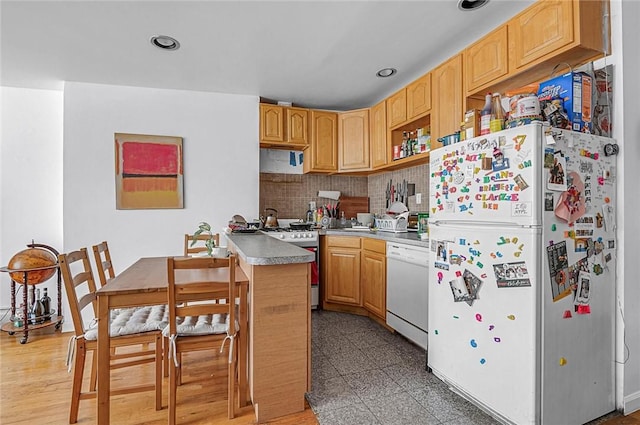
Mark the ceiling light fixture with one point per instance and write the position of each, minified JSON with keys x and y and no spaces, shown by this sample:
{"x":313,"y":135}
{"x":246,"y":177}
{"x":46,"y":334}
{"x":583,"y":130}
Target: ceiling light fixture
{"x":386,"y":72}
{"x":165,"y":42}
{"x":467,"y":5}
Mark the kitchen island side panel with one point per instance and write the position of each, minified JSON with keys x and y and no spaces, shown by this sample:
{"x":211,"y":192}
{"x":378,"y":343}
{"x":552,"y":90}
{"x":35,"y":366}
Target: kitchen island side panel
{"x":279,"y":339}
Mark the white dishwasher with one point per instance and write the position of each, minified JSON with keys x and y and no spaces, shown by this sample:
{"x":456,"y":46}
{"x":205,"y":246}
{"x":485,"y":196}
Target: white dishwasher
{"x":407,"y":291}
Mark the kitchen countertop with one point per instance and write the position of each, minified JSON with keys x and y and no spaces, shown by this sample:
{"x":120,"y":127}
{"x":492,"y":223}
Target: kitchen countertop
{"x":262,"y":250}
{"x":408,"y":238}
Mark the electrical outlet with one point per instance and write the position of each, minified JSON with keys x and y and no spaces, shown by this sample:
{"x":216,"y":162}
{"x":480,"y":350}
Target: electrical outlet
{"x":418,"y":198}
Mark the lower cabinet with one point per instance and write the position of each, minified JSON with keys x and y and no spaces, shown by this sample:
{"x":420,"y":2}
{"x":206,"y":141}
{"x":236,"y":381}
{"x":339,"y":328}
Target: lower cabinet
{"x":342,"y":270}
{"x":373,"y":276}
{"x":354,"y":271}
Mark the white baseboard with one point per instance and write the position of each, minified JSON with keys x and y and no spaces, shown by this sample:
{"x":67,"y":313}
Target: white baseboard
{"x":631,"y":403}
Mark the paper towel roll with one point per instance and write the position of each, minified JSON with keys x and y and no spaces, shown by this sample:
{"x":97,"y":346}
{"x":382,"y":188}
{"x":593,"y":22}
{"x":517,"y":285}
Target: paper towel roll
{"x":331,"y":194}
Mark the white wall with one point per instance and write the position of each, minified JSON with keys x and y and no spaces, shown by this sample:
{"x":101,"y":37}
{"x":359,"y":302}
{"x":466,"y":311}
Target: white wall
{"x":221,"y":165}
{"x":30,"y":175}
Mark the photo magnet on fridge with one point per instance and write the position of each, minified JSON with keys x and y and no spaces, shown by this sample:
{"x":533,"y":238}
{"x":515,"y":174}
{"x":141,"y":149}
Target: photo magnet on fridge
{"x":511,"y":275}
{"x":556,"y":178}
{"x":558,"y":265}
{"x":583,"y":292}
{"x":548,"y":201}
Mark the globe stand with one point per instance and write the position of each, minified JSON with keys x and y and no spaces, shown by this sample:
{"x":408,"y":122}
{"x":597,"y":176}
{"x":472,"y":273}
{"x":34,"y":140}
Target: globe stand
{"x":24,"y":327}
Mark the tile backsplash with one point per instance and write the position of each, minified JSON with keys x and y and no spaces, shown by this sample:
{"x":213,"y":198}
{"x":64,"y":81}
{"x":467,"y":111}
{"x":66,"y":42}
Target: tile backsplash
{"x":377,"y":186}
{"x":290,"y":194}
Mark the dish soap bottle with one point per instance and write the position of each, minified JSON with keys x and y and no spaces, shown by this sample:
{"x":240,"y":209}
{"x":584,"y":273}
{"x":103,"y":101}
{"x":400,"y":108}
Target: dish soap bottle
{"x":343,"y":220}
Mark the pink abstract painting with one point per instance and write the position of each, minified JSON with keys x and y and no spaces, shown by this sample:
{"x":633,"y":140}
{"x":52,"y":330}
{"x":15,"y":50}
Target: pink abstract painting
{"x":149,"y":171}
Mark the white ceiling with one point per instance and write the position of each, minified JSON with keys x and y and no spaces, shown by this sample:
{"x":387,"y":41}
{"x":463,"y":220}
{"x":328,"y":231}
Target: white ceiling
{"x":320,"y":54}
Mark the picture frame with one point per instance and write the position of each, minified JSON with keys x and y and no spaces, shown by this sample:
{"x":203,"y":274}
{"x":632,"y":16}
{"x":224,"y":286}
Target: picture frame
{"x":149,"y":172}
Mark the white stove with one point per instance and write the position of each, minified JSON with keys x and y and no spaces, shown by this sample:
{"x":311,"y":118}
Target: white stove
{"x":297,"y":237}
{"x":303,"y":238}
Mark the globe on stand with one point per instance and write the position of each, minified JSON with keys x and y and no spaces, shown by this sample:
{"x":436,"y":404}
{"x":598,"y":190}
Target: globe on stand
{"x":33,"y":258}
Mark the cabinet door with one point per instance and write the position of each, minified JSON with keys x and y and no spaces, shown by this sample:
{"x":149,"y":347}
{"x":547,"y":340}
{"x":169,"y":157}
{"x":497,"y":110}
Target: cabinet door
{"x":297,"y":130}
{"x":343,"y":275}
{"x":271,"y":123}
{"x":447,"y":99}
{"x":374,"y":280}
{"x":324,"y":143}
{"x":353,"y":140}
{"x":542,"y":29}
{"x":397,"y":108}
{"x":378,"y":136}
{"x":486,"y":60}
{"x":419,"y":97}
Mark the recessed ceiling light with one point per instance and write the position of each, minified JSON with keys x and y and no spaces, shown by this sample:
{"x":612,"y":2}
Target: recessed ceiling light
{"x":386,"y":72}
{"x":467,"y":5}
{"x":165,"y":42}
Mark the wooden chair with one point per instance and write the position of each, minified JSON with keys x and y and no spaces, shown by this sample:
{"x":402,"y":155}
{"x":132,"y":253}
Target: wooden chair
{"x":102,"y":257}
{"x":198,"y":247}
{"x":197,"y":318}
{"x":103,"y":262}
{"x":140,"y":330}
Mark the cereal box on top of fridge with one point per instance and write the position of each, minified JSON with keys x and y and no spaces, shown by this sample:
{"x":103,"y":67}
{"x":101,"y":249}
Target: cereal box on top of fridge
{"x":566,"y":101}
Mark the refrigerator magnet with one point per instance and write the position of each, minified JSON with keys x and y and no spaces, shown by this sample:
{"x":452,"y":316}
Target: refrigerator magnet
{"x":556,"y":177}
{"x":583,"y":292}
{"x":571,"y":204}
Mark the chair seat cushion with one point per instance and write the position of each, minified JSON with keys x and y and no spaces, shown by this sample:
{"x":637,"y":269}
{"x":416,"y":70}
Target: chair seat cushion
{"x":129,"y":321}
{"x":206,"y":324}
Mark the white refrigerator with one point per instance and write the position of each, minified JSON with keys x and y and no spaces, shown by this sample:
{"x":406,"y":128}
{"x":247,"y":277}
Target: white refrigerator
{"x":522,"y":273}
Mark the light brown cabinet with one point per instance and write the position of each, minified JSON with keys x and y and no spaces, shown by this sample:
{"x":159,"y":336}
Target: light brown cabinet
{"x":271,"y":123}
{"x":378,"y":138}
{"x":373,"y":276}
{"x":353,"y":140}
{"x":447,"y":99}
{"x":297,"y":126}
{"x":419,"y":97}
{"x":322,"y":153}
{"x":553,"y":31}
{"x":410,"y":103}
{"x":283,"y":127}
{"x":397,"y":108}
{"x":342,"y":270}
{"x":355,"y":275}
{"x":486,"y":60}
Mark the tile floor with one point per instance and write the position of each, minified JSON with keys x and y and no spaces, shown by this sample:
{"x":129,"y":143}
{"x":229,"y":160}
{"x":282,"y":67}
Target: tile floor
{"x":362,"y":374}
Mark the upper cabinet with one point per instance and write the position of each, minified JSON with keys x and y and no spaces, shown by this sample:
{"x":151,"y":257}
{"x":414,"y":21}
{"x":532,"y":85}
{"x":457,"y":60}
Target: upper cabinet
{"x":410,"y":103}
{"x":322,"y":154}
{"x":297,"y":126}
{"x":447,"y":99}
{"x":378,"y":137}
{"x":551,"y":27}
{"x":397,"y":108}
{"x":419,"y":97}
{"x":353,"y":141}
{"x":283,"y":127}
{"x":486,"y":60}
{"x":271,"y":123}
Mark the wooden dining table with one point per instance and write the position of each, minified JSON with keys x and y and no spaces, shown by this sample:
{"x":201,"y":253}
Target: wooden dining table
{"x":145,"y":283}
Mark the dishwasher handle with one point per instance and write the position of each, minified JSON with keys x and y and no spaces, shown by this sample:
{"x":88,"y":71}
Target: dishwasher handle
{"x":407,"y":254}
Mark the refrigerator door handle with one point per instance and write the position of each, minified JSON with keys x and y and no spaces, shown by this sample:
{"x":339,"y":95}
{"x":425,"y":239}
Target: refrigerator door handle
{"x":481,"y":223}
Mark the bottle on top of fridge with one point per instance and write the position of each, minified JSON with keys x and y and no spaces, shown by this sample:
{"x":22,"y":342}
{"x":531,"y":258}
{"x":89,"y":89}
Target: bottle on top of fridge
{"x":497,"y":114}
{"x":485,"y":116}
